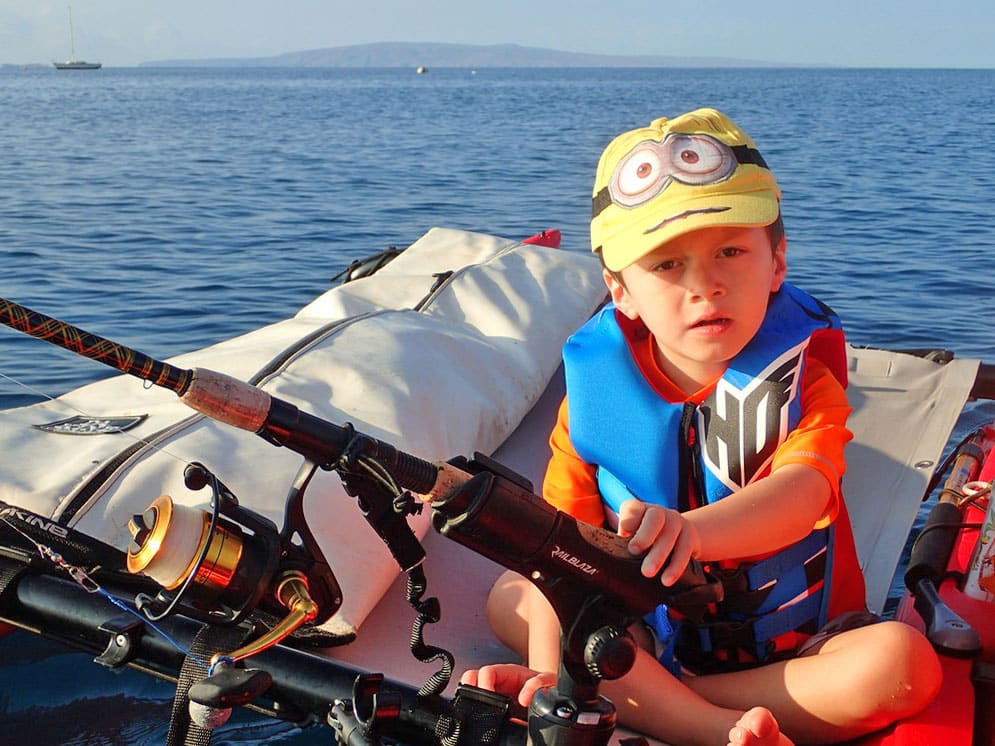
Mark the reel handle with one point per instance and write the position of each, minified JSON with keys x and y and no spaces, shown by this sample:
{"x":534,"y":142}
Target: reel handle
{"x":293,"y":593}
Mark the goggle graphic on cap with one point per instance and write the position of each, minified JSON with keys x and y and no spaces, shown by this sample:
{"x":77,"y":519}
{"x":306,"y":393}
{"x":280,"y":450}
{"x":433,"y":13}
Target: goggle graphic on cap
{"x":694,"y":160}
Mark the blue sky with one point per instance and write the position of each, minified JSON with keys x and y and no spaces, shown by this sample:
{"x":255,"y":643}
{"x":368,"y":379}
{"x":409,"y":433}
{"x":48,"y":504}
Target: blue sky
{"x":888,"y":33}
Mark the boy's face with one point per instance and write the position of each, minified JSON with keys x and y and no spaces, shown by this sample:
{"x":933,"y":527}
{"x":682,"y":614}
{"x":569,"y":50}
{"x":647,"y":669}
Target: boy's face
{"x":703,"y":296}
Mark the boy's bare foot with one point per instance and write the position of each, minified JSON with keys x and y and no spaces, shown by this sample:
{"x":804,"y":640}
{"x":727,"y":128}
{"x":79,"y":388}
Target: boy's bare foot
{"x":757,"y":727}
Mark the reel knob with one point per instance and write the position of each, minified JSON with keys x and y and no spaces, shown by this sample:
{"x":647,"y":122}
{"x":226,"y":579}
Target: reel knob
{"x":212,"y":699}
{"x":610,"y":653}
{"x":140,"y":526}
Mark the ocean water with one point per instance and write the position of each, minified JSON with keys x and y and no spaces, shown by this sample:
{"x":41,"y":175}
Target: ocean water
{"x":171,"y":209}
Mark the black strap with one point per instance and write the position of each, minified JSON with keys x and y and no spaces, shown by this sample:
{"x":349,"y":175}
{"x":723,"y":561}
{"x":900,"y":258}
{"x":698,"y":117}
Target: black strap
{"x":719,"y":646}
{"x":746,"y":154}
{"x":689,"y":466}
{"x":9,"y":572}
{"x":208,"y":641}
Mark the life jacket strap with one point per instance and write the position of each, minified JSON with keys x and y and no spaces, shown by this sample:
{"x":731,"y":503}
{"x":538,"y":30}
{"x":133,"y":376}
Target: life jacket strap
{"x":778,"y":565}
{"x":753,"y":588}
{"x":697,"y":644}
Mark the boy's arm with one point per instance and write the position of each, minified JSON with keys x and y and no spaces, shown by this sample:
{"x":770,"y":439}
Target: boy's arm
{"x":820,"y":439}
{"x":762,"y":517}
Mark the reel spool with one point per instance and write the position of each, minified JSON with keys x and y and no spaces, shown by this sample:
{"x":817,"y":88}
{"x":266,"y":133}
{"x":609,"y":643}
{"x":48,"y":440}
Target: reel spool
{"x":217,"y":568}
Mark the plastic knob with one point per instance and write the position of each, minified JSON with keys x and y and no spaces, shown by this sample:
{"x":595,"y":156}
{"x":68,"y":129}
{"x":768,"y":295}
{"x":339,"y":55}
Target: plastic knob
{"x":610,"y":653}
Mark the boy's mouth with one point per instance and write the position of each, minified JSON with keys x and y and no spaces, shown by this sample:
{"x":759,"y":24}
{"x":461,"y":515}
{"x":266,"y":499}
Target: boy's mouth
{"x":713,"y":321}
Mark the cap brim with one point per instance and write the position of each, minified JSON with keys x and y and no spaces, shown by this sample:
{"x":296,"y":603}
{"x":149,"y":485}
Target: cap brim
{"x":633,"y":239}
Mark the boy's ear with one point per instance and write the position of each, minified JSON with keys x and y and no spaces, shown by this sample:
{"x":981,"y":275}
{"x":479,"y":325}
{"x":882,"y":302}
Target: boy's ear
{"x":619,"y":295}
{"x":780,"y":266}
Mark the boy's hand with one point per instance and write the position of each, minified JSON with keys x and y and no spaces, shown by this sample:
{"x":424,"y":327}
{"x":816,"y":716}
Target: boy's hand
{"x":665,"y":535}
{"x":509,"y":679}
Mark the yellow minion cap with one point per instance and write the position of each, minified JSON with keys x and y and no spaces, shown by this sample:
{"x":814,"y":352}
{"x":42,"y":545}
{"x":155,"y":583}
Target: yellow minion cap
{"x":675,"y":176}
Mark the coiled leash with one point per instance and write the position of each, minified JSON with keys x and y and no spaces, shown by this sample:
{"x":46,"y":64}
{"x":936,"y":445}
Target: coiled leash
{"x":386,"y":508}
{"x":429,"y":612}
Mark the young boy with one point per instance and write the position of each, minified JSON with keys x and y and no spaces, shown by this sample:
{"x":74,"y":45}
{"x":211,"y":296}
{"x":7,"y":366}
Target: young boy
{"x":704,"y":419}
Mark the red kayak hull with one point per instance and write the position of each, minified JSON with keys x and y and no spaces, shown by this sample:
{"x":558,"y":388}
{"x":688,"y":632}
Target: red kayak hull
{"x":963,"y":714}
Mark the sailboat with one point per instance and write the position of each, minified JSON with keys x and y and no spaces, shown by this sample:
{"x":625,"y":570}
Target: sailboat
{"x":72,"y":63}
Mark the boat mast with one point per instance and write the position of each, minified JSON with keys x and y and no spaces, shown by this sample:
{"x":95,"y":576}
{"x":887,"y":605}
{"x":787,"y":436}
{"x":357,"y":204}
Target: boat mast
{"x":72,"y":35}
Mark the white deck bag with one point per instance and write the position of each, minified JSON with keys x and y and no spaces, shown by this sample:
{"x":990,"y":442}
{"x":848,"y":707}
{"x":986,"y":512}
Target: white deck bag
{"x":455,"y":376}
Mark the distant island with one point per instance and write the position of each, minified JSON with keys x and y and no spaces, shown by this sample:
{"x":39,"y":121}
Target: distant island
{"x":414,"y":55}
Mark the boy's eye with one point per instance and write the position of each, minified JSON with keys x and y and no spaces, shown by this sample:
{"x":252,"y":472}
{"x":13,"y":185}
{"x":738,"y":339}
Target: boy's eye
{"x":665,"y":265}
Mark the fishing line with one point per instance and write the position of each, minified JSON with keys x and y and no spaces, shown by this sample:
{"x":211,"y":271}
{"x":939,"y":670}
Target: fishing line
{"x":84,"y":580}
{"x":111,"y":431}
{"x":30,"y":388}
{"x":145,"y":620}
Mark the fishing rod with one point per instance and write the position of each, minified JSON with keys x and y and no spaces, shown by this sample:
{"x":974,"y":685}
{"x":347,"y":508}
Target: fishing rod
{"x":593,"y":583}
{"x":933,"y":547}
{"x":220,"y":397}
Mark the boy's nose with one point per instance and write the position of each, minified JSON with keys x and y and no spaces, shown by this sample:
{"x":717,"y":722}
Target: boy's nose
{"x":704,"y":281}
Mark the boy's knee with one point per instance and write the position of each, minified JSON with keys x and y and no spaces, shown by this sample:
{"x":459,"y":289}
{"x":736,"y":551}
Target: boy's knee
{"x":919,"y":653}
{"x":910,"y":663}
{"x":904,"y":644}
{"x":496,"y":600}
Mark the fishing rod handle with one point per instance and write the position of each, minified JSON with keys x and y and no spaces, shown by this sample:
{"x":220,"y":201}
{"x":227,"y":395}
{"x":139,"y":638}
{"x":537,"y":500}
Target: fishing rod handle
{"x":242,"y":405}
{"x":227,"y":399}
{"x":92,"y":346}
{"x":933,"y":547}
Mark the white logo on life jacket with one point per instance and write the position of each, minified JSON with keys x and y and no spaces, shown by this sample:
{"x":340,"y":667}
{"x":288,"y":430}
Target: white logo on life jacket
{"x":741,"y":428}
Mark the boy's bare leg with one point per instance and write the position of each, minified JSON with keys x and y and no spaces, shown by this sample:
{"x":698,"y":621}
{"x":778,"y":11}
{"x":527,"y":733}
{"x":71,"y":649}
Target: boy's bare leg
{"x":851,"y":684}
{"x":650,"y":700}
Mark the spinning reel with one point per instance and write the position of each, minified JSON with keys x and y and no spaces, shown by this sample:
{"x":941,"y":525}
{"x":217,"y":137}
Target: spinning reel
{"x":219,"y":566}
